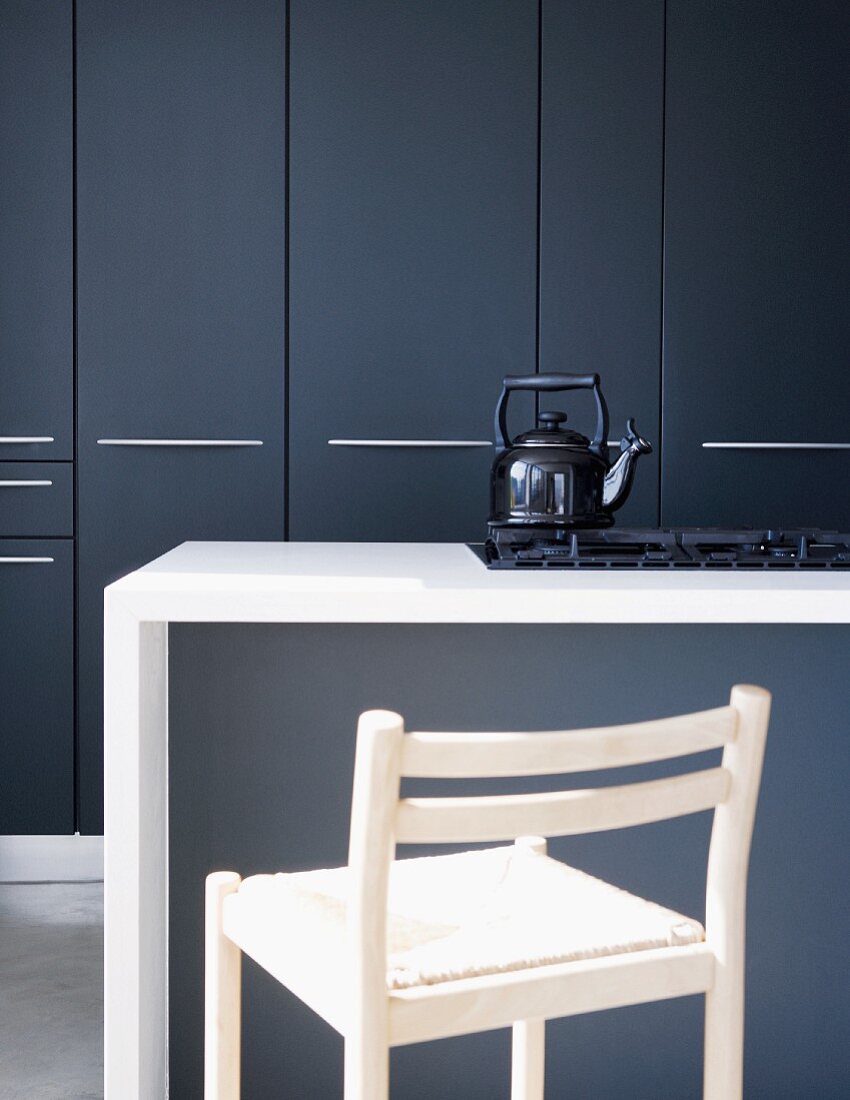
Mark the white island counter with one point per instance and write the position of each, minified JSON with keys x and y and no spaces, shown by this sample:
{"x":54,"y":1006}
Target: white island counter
{"x":331,"y":583}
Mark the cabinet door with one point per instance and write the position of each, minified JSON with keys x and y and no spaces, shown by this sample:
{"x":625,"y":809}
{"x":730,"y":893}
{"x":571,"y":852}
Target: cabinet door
{"x":36,"y":230}
{"x":756,"y":324}
{"x":181,"y":244}
{"x":601,"y":160}
{"x":413,"y":253}
{"x":37,"y":686}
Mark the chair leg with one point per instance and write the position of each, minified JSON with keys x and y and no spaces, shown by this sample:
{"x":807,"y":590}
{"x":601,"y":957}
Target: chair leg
{"x":528,"y":1059}
{"x":528,"y":1046}
{"x":367,"y":1070}
{"x":222,"y":995}
{"x":724,"y":1036}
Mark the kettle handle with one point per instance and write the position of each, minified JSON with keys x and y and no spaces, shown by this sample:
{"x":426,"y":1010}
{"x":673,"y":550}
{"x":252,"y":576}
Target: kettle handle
{"x":550,"y":383}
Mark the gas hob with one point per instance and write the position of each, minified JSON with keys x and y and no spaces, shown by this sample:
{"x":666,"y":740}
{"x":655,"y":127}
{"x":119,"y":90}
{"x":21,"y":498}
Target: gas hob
{"x":664,"y":548}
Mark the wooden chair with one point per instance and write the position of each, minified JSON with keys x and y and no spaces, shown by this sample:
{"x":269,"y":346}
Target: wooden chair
{"x":504,"y":936}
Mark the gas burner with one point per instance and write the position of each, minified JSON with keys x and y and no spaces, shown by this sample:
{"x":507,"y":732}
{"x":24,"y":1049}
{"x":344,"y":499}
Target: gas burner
{"x":664,"y":548}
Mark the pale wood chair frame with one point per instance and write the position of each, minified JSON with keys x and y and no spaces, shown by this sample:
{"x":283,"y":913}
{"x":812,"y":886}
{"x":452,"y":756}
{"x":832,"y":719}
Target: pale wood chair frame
{"x":373,"y":1019}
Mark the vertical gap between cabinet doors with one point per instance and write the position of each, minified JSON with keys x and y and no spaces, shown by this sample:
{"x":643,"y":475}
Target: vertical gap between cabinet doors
{"x":663,"y":258}
{"x":75,"y":450}
{"x":287,"y":53}
{"x":539,"y":227}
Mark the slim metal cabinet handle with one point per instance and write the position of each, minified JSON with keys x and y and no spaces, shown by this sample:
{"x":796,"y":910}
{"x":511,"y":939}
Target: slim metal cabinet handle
{"x":410,"y":443}
{"x":25,"y":561}
{"x":26,"y":439}
{"x":426,"y":443}
{"x":9,"y":484}
{"x":718,"y":446}
{"x":180,"y":442}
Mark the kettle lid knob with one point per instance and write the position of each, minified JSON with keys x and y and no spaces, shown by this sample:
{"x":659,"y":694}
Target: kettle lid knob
{"x":550,"y":421}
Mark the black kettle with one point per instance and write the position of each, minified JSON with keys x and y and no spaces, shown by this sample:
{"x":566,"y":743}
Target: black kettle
{"x":554,"y":477}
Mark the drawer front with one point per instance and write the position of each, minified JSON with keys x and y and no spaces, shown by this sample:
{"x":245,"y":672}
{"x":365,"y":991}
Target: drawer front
{"x":37,"y":686}
{"x":36,"y":499}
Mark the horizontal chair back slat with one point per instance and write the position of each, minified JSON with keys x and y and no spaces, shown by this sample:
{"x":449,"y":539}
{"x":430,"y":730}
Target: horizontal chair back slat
{"x":480,"y":755}
{"x":559,"y":813}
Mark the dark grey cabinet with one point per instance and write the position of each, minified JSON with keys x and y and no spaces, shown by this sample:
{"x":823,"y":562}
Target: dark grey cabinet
{"x":181,"y":301}
{"x":37,"y":686}
{"x":413,"y":196}
{"x":36,"y":418}
{"x":756,"y":324}
{"x":36,"y":230}
{"x":601,"y":168}
{"x":470,"y":190}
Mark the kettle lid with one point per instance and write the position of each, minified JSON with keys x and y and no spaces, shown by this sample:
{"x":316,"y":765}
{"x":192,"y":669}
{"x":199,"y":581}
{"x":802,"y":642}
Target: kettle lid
{"x":549,"y":432}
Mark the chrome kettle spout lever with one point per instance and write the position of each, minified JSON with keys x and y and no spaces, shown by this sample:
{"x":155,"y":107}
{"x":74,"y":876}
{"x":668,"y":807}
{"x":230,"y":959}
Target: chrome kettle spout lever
{"x":618,"y":480}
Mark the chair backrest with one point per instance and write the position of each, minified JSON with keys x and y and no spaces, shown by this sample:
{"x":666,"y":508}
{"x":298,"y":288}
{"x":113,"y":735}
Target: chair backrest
{"x":380,"y":819}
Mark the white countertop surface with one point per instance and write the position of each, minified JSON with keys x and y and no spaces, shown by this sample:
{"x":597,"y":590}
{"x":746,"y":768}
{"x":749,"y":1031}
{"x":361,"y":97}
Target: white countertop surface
{"x":446,"y":582}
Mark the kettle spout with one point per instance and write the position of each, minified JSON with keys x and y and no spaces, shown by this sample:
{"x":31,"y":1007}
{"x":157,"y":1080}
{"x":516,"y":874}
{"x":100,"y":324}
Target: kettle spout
{"x":618,"y":480}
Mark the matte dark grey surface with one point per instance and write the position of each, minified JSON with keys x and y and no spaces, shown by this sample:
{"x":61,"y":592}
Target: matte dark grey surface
{"x":181,"y":186}
{"x":757,"y":228}
{"x":37,"y":687}
{"x":36,"y":228}
{"x":32,"y":511}
{"x":261,"y":755}
{"x":413,"y":255}
{"x":600,"y":230}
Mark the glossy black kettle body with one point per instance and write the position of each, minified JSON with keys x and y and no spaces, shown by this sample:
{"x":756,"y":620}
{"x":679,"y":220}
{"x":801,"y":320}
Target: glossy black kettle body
{"x":553,"y":477}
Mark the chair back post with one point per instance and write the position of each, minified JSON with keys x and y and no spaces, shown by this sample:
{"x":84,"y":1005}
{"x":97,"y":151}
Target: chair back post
{"x":732,"y":830}
{"x":377,"y":771}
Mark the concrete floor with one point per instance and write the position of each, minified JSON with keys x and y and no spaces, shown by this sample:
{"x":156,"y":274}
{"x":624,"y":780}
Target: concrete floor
{"x":51,"y":999}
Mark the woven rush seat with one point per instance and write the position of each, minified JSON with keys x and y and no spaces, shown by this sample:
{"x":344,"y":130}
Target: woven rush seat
{"x":456,"y":916}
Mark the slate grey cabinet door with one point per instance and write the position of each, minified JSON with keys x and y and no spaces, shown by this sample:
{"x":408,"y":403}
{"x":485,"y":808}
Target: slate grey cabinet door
{"x":181,"y":244}
{"x":37,"y":686}
{"x":413,"y":256}
{"x":756,"y":319}
{"x":601,"y":164}
{"x":36,"y":230}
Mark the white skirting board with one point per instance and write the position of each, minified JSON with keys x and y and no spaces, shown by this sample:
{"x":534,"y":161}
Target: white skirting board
{"x":51,"y":858}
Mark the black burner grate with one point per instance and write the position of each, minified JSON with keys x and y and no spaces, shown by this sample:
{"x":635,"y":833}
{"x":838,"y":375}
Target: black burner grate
{"x":665,"y":548}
